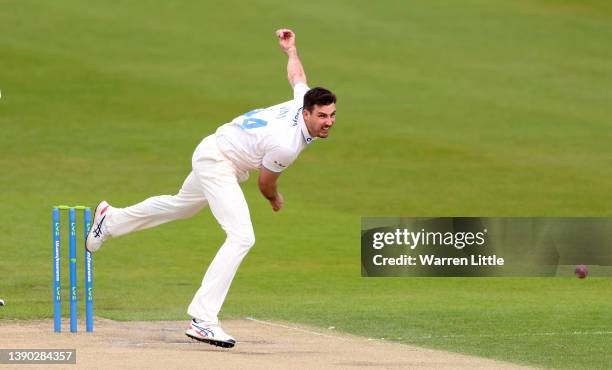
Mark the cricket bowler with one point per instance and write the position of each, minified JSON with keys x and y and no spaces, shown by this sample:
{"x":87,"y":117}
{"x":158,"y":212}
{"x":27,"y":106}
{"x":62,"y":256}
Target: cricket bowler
{"x":266,"y":140}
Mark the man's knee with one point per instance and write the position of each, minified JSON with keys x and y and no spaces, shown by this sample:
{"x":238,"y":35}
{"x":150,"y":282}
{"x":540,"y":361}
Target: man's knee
{"x":185,"y":206}
{"x":245,"y":238}
{"x":191,"y":210}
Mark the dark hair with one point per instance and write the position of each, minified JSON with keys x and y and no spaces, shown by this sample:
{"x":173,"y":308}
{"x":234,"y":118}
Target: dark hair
{"x":318,"y":96}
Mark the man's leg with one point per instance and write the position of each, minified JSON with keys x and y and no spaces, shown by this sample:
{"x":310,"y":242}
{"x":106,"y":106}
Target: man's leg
{"x":157,"y":210}
{"x":228,"y":205}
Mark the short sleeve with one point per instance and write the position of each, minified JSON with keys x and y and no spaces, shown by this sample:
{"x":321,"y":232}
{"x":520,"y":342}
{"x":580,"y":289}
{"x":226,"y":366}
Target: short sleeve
{"x":278,"y":159}
{"x":299,"y":90}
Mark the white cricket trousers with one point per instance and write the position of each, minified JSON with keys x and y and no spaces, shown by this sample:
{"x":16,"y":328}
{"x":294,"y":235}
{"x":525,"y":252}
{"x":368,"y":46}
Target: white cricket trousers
{"x":214,"y":180}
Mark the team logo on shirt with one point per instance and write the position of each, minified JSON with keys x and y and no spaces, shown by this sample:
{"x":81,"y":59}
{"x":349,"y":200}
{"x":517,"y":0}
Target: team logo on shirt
{"x":280,"y":164}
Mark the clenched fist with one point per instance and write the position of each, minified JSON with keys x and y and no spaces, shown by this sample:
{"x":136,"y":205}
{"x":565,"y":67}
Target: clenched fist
{"x":286,"y":39}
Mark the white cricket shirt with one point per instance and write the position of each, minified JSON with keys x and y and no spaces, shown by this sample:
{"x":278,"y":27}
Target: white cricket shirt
{"x":271,"y":137}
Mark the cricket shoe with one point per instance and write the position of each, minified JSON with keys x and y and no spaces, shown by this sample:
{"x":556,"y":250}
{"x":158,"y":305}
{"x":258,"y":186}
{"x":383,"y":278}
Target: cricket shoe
{"x":97,"y":232}
{"x":210,"y":333}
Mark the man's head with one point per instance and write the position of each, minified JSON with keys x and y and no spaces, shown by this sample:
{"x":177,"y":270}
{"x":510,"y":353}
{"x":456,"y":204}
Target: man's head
{"x":319,"y":111}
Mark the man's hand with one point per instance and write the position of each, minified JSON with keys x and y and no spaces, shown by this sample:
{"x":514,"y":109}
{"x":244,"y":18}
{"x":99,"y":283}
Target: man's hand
{"x":286,"y":39}
{"x":267,"y":185}
{"x":277,"y":202}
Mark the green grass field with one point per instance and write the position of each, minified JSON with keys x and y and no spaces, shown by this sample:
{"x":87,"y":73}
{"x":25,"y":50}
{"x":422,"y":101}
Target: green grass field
{"x":483,"y":108}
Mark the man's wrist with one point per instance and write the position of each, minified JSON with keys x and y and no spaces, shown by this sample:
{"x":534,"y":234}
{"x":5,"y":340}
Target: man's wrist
{"x":291,"y":50}
{"x":269,"y":195}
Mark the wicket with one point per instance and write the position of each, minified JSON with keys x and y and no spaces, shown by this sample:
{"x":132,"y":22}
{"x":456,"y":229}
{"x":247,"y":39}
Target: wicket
{"x":72,"y":241}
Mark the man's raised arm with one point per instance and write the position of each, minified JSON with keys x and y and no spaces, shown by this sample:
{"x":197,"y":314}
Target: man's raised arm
{"x":295,"y":70}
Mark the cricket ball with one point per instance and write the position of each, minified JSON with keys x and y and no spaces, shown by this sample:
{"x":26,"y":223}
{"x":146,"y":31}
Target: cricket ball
{"x":581,"y":271}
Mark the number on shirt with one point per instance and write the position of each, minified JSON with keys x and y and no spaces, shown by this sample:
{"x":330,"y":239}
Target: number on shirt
{"x":251,"y":122}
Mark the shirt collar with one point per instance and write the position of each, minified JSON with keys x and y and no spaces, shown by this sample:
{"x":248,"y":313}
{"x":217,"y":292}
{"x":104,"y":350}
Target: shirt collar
{"x":307,"y":138}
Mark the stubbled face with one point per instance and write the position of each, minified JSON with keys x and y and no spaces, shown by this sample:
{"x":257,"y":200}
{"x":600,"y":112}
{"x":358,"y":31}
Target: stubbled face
{"x":320,"y":120}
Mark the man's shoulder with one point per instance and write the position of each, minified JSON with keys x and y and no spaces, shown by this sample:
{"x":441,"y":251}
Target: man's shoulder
{"x":284,"y":107}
